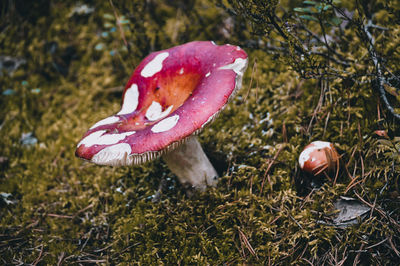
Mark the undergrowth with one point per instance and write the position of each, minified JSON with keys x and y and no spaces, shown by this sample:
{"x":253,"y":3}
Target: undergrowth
{"x":55,"y":208}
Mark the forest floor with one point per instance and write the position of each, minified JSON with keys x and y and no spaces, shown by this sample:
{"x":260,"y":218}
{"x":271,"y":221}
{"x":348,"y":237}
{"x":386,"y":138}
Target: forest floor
{"x":64,"y":66}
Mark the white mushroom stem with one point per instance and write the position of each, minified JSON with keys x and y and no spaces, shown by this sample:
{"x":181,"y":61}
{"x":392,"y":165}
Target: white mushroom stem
{"x":191,"y":165}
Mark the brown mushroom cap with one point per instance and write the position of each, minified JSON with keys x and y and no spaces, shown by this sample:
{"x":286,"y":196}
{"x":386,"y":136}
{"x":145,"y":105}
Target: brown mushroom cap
{"x":318,"y":157}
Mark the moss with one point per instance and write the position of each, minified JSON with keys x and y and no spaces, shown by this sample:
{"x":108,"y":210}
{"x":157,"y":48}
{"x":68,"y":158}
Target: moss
{"x":263,"y":210}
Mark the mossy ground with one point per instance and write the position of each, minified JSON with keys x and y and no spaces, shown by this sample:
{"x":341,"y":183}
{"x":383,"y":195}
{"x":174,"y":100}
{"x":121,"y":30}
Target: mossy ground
{"x":64,"y":210}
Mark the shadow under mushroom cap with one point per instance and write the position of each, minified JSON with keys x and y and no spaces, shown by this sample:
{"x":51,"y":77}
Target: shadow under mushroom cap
{"x":171,"y":95}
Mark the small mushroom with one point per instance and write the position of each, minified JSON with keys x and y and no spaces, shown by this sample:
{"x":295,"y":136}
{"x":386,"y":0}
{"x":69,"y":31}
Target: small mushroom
{"x":382,"y":133}
{"x":319,"y":157}
{"x":169,"y":98}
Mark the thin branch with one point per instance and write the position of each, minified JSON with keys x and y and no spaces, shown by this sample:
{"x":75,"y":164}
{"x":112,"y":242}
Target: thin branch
{"x":378,"y":68}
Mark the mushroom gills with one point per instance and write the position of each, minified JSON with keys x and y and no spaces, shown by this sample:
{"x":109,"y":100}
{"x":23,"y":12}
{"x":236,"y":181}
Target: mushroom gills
{"x":191,"y":165}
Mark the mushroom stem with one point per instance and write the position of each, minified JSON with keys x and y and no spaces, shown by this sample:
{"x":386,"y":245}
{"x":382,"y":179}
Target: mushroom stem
{"x":191,"y":165}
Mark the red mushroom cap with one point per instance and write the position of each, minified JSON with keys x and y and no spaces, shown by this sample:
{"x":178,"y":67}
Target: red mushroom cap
{"x":171,"y":94}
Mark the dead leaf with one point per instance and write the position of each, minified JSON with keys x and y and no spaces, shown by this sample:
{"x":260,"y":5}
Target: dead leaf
{"x":350,"y":209}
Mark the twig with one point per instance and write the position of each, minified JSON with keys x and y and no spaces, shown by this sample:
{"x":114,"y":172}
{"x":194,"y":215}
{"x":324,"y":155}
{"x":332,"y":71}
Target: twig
{"x":38,"y":259}
{"x":244,"y":240}
{"x":377,"y":244}
{"x":305,"y":200}
{"x":318,"y":107}
{"x":269,"y":167}
{"x":82,"y":210}
{"x":60,"y":216}
{"x":119,"y":25}
{"x":337,"y":170}
{"x":28,"y":226}
{"x":340,"y":60}
{"x":393,"y":246}
{"x":60,"y":258}
{"x":70,"y":216}
{"x":357,"y":258}
{"x":102,"y":249}
{"x":352,"y":184}
{"x":87,"y":239}
{"x":380,"y":211}
{"x":251,"y":80}
{"x":298,"y":224}
{"x":378,"y":68}
{"x":90,"y":261}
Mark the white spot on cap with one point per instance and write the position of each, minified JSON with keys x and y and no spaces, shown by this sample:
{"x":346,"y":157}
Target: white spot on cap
{"x":213,"y":42}
{"x":166,"y":124}
{"x":181,"y":71}
{"x":154,"y":112}
{"x":238,"y":48}
{"x":305,"y":155}
{"x":238,"y":66}
{"x":100,"y":138}
{"x":117,"y":154}
{"x":131,"y":100}
{"x":154,"y":65}
{"x":208,"y":74}
{"x":106,"y":121}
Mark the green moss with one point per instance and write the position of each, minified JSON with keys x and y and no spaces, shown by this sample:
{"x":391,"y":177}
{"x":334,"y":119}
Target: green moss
{"x":263,"y":210}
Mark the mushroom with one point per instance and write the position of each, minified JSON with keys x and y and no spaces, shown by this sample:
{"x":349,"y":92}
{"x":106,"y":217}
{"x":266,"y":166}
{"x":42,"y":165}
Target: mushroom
{"x":319,"y":157}
{"x":382,"y":133}
{"x":170,"y":97}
